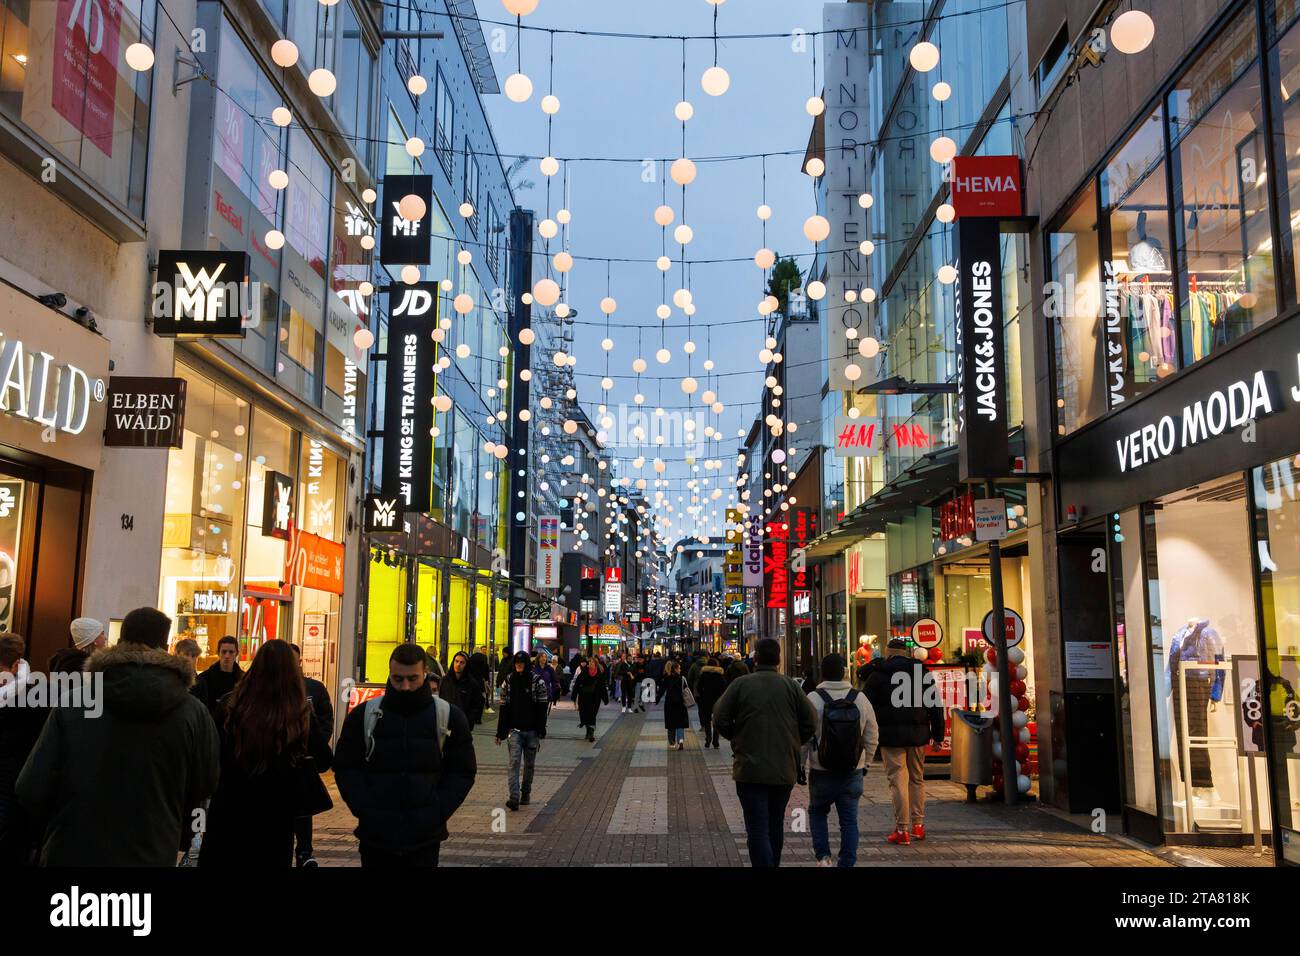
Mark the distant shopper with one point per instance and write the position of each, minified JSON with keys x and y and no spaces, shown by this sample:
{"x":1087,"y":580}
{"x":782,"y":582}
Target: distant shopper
{"x":114,"y":789}
{"x":455,"y":687}
{"x":480,"y":679}
{"x":88,"y":634}
{"x":404,"y":764}
{"x":627,"y":684}
{"x":220,"y":678}
{"x":590,"y":691}
{"x":521,"y":722}
{"x":19,"y":728}
{"x":905,"y":729}
{"x":676,"y":717}
{"x":322,"y":709}
{"x":839,"y":757}
{"x":767,"y":719}
{"x":709,"y":686}
{"x":736,"y":669}
{"x":273,"y":751}
{"x":188,"y":648}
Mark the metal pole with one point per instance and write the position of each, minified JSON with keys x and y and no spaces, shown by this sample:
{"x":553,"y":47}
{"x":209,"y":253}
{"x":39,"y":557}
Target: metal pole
{"x":1010,"y":791}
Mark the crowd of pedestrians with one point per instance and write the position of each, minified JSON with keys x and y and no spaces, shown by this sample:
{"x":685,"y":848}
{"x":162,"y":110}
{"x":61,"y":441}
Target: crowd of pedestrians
{"x":224,"y":768}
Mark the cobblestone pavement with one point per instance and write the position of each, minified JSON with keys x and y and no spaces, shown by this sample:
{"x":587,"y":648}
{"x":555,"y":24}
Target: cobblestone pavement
{"x":626,"y":800}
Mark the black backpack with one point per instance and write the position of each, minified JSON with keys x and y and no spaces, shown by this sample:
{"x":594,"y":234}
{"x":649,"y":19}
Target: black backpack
{"x":839,"y":745}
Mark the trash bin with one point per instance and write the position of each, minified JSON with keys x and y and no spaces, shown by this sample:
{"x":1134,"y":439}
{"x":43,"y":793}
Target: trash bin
{"x":972,"y":750}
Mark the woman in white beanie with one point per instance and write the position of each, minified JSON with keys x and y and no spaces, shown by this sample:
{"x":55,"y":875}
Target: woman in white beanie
{"x":88,"y":634}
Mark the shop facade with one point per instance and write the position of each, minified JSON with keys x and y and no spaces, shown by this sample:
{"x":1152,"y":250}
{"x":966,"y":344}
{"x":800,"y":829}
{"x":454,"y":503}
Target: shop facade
{"x":1172,"y":427}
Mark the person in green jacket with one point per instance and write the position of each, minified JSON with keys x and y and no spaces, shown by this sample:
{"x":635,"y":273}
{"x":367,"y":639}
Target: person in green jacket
{"x":116,"y":788}
{"x":767,"y":718}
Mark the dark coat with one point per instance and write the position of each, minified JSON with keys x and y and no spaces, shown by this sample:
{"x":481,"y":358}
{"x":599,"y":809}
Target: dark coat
{"x":214,"y":684}
{"x":405,"y":794}
{"x":251,"y":818}
{"x":709,"y":686}
{"x":767,"y":718}
{"x":905,"y":725}
{"x":736,"y":669}
{"x":115,"y":790}
{"x":19,"y":729}
{"x":590,"y":692}
{"x":525,"y":703}
{"x":458,"y":689}
{"x":322,"y":707}
{"x":676,"y":717}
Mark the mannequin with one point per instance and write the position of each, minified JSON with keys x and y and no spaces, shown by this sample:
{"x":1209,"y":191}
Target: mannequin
{"x":1195,"y":643}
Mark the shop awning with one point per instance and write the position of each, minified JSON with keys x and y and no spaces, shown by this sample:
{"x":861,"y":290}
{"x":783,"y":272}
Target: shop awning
{"x":928,"y":478}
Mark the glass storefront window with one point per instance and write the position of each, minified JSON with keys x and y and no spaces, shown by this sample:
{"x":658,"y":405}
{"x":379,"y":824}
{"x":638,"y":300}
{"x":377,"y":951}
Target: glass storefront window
{"x":63,"y":76}
{"x":458,"y":636}
{"x":1134,"y":660}
{"x":1072,"y":305}
{"x":306,"y":231}
{"x":1270,"y":703}
{"x":1140,"y":342}
{"x":428,"y":609}
{"x":1225,"y":242}
{"x":1284,"y":73}
{"x":13,"y":495}
{"x":385,"y":613}
{"x":264,"y":612}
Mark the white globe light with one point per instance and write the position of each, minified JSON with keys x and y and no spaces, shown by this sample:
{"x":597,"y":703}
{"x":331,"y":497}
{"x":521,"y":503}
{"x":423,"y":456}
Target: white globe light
{"x":463,"y":304}
{"x":518,"y":88}
{"x":942,"y":91}
{"x":417,"y":84}
{"x":663,"y":311}
{"x":815,"y":167}
{"x":708,"y":398}
{"x":608,"y":305}
{"x":281,"y":116}
{"x":274,"y":239}
{"x":682,"y":171}
{"x":549,"y":166}
{"x":945,"y":212}
{"x":563,"y":217}
{"x":866,"y":247}
{"x":682,"y":298}
{"x":560,"y":359}
{"x":607,"y":344}
{"x":519,"y":8}
{"x":527,"y":336}
{"x":664,"y":215}
{"x":947,"y":274}
{"x":563,"y":262}
{"x":688,"y":347}
{"x":415,"y":146}
{"x":284,"y":53}
{"x":765,"y":212}
{"x":525,"y":414}
{"x":778,"y":456}
{"x":548,"y":228}
{"x":764,"y":258}
{"x":717,"y":410}
{"x":607,"y":383}
{"x":867,"y":295}
{"x":924,"y":57}
{"x":683,"y":111}
{"x":664,"y":264}
{"x":570,"y":426}
{"x":765,"y":356}
{"x":715,"y":81}
{"x":663,"y":356}
{"x":411,"y":207}
{"x":683,"y":234}
{"x":868,"y":347}
{"x":462,"y":350}
{"x":689,"y":385}
{"x":139,"y":57}
{"x":322,"y":82}
{"x":638,"y":365}
{"x":815,"y":106}
{"x":550,"y":104}
{"x":363,"y":338}
{"x":943,"y":149}
{"x":546,"y":292}
{"x":816,"y":290}
{"x":277,"y":178}
{"x":816,"y":228}
{"x":442,"y":403}
{"x":865,"y":200}
{"x":466,"y":210}
{"x":367,"y":242}
{"x":1132,"y":32}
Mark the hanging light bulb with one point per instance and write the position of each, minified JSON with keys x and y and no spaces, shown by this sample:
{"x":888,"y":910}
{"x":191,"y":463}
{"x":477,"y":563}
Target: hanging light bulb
{"x":410,"y":274}
{"x":866,"y":247}
{"x":412,"y":207}
{"x":466,"y":210}
{"x":527,"y":336}
{"x":363,"y":338}
{"x":284,"y":53}
{"x":663,"y":311}
{"x":277,"y":178}
{"x":417,"y":84}
{"x":765,"y":212}
{"x":139,"y":57}
{"x":608,"y":345}
{"x":549,"y":166}
{"x":942,"y":91}
{"x":1132,"y":32}
{"x":663,"y":356}
{"x":764,"y":258}
{"x":274,"y":239}
{"x":815,"y":167}
{"x":865,"y":200}
{"x":638,"y":365}
{"x":322,"y":82}
{"x":816,"y":228}
{"x":943,"y":149}
{"x":415,"y":146}
{"x":546,"y":292}
{"x":518,"y":87}
{"x":816,"y":290}
{"x":689,"y":385}
{"x":519,"y":8}
{"x":868,"y":347}
{"x":608,"y":305}
{"x":563,"y":262}
{"x":664,"y":263}
{"x":562,"y":310}
{"x":682,"y":171}
{"x":815,"y":106}
{"x":715,"y":81}
{"x":945,"y":212}
{"x":550,"y":104}
{"x":664,"y":215}
{"x":281,"y":116}
{"x":548,"y":229}
{"x":463,"y":304}
{"x":682,"y":298}
{"x":683,"y":234}
{"x":683,"y":111}
{"x":924,"y":57}
{"x":947,"y":274}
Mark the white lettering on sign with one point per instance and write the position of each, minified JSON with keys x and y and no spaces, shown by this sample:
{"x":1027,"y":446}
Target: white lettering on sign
{"x":34,"y":388}
{"x":984,"y":184}
{"x":406,"y":441}
{"x":985,"y":351}
{"x":349,"y":396}
{"x":1116,"y":380}
{"x":201,"y":299}
{"x":1223,"y":410}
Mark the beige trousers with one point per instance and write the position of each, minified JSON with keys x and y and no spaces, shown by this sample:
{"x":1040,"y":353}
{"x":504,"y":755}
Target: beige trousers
{"x":905,"y":771}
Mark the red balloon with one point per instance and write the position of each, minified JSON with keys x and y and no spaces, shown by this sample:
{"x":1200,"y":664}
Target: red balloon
{"x":936,"y":655}
{"x":1022,"y":752}
{"x":1018,"y":688}
{"x":991,"y":655}
{"x":997,"y":782}
{"x":1022,"y":703}
{"x":997,"y":764}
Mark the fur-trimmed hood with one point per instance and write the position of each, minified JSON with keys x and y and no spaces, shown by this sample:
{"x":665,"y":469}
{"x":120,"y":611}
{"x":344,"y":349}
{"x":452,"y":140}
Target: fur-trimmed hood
{"x":141,"y":682}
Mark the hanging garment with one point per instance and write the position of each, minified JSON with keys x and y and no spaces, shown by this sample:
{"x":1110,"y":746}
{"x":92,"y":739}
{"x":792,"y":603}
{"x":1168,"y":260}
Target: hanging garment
{"x":1199,"y":693}
{"x":1196,"y":642}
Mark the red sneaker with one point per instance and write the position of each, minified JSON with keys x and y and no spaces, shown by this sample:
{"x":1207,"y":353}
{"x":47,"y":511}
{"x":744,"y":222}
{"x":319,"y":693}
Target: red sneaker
{"x":899,"y":837}
{"x":918,"y":831}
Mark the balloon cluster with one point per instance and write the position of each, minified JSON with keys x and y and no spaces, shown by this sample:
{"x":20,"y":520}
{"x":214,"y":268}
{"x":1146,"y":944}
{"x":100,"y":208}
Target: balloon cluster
{"x":1019,"y":715}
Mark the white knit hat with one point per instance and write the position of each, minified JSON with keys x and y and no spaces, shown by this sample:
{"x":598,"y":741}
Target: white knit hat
{"x":85,"y":630}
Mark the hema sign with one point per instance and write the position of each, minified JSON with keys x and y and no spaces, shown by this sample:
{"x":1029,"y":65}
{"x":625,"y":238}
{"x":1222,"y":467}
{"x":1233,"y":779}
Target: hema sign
{"x":201,"y":294}
{"x":986,"y":186}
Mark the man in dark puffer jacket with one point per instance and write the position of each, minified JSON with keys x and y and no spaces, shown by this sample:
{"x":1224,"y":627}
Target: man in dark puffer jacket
{"x":417,"y":772}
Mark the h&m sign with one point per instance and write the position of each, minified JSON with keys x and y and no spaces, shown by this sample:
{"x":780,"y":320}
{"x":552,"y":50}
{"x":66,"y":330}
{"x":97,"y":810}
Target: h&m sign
{"x":201,"y":294}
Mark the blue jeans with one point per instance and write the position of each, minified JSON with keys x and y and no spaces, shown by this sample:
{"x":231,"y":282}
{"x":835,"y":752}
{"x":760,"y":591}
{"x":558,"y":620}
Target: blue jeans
{"x":523,"y":746}
{"x":675,"y":735}
{"x":843,"y":791}
{"x":764,"y":807}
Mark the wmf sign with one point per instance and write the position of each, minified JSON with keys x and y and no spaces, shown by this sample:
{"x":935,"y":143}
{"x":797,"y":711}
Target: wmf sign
{"x":202,"y":293}
{"x":383,"y":514}
{"x":405,"y":241}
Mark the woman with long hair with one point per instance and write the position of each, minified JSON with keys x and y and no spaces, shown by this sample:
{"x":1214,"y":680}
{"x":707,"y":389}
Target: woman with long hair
{"x":676,"y":718}
{"x":272,"y":755}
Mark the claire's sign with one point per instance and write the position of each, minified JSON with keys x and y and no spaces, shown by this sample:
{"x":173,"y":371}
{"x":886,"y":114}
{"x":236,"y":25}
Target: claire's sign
{"x":145,"y":412}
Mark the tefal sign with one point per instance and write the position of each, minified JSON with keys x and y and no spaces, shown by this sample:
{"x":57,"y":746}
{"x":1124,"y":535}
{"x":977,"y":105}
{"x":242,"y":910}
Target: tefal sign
{"x":986,"y":186}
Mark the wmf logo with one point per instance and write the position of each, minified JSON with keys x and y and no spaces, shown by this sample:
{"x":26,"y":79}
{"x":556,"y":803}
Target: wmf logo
{"x":409,"y":228}
{"x":202,"y":293}
{"x":383,"y":513}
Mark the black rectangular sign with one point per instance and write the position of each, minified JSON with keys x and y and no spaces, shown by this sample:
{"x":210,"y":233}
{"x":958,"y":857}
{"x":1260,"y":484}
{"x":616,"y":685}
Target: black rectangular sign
{"x":383,"y":514}
{"x":982,"y":449}
{"x":145,"y":412}
{"x":277,"y":506}
{"x":405,"y":241}
{"x":408,"y":399}
{"x":198,"y":294}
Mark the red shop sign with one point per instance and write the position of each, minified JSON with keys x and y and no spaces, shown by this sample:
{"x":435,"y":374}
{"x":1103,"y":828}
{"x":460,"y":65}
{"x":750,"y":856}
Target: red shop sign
{"x":314,"y":562}
{"x":986,"y":186}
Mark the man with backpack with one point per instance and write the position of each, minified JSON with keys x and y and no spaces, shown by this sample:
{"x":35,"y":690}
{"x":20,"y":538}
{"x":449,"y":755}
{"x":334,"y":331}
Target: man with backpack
{"x":404,"y":764}
{"x":908,"y":721}
{"x":525,"y":702}
{"x":838,"y":758}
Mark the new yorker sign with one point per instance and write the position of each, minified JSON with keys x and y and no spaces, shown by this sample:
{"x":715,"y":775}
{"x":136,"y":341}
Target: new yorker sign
{"x":1232,"y":412}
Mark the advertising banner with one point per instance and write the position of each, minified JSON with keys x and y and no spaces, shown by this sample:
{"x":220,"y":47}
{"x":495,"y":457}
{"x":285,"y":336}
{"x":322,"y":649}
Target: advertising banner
{"x":408,"y":404}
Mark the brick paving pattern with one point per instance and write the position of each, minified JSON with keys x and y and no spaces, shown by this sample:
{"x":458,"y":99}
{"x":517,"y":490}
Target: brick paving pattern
{"x":626,"y":800}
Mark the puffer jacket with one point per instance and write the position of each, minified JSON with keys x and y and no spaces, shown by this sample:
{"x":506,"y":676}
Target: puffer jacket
{"x":115,"y":789}
{"x":709,"y":685}
{"x":890,"y":687}
{"x":404,"y":794}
